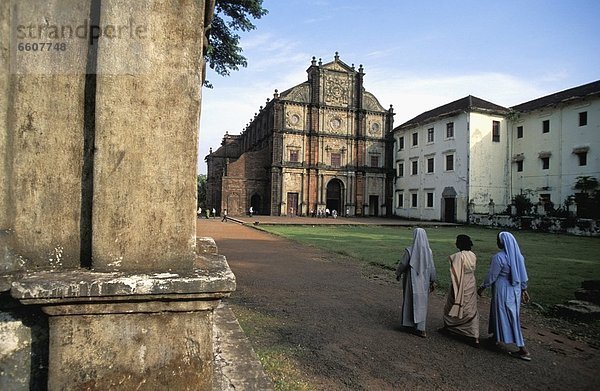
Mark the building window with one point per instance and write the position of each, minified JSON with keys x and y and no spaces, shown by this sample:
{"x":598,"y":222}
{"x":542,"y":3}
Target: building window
{"x":519,"y":132}
{"x":520,"y":166}
{"x":546,"y":126}
{"x":400,"y":200}
{"x":400,"y":170}
{"x":430,"y":200}
{"x":450,"y":130}
{"x":496,"y":131}
{"x":414,"y":199}
{"x":293,"y":155}
{"x":414,"y":170}
{"x":374,"y":161}
{"x":430,"y":135}
{"x":415,"y":139}
{"x":401,"y":143}
{"x":582,"y":158}
{"x":430,"y":165}
{"x":583,"y":118}
{"x":545,"y":163}
{"x":336,"y":159}
{"x":449,"y":162}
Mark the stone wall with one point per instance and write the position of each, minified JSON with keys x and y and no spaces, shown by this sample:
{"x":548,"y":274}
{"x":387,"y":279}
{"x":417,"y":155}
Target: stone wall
{"x":247,"y":176}
{"x":572,"y":226}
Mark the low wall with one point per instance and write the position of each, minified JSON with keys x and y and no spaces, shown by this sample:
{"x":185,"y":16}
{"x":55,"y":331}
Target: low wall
{"x":572,"y":226}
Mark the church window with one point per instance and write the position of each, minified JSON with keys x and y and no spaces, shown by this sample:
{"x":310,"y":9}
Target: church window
{"x":293,"y":155}
{"x":374,"y":161}
{"x":336,"y":159}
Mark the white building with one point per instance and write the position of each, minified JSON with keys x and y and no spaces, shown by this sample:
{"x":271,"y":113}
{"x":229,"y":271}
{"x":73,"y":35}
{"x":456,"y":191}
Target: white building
{"x":555,"y":139}
{"x":447,"y":157}
{"x":473,"y":156}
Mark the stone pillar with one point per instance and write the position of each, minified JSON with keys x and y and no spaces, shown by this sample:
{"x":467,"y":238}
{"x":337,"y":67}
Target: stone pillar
{"x":98,"y":135}
{"x":147,"y":100}
{"x":4,"y":91}
{"x":45,"y":132}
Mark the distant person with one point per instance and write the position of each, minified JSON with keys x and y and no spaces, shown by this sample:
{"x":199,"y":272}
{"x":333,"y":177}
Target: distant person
{"x":327,"y":212}
{"x":347,"y":212}
{"x":214,"y":213}
{"x":461,"y":316}
{"x":508,"y":278}
{"x":199,"y":213}
{"x":251,"y":211}
{"x":334,"y":213}
{"x":224,"y":219}
{"x":207,"y":213}
{"x":419,"y":274}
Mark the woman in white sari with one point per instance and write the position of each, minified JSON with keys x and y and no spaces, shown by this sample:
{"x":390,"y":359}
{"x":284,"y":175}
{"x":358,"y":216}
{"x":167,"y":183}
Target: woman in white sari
{"x":419,"y":275}
{"x":461,"y":317}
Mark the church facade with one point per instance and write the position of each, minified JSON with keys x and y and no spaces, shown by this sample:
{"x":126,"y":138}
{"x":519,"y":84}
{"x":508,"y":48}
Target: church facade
{"x":320,"y":145}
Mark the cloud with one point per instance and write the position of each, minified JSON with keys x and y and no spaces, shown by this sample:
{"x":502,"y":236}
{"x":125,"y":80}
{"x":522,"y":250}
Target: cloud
{"x":413,"y":93}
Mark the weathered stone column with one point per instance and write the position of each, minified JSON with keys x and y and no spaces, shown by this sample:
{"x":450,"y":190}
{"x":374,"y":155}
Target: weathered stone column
{"x":45,"y":105}
{"x":4,"y":86}
{"x":98,"y":134}
{"x":148,"y":107}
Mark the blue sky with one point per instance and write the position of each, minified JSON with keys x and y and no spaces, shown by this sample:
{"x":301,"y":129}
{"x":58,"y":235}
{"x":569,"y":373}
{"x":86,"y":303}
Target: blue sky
{"x":416,"y":55}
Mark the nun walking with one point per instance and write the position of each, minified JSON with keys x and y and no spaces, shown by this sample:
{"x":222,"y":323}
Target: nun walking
{"x":418,"y":275}
{"x":508,"y":278}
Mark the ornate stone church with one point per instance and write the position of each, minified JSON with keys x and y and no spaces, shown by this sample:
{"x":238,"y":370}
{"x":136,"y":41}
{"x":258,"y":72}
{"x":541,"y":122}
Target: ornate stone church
{"x":316,"y":146}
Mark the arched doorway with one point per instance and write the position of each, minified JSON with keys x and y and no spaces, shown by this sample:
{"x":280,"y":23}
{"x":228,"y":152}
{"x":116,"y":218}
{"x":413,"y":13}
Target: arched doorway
{"x":255,"y":203}
{"x":334,"y":201}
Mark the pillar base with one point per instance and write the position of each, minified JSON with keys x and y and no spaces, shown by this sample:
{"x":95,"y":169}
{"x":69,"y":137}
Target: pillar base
{"x":130,"y":331}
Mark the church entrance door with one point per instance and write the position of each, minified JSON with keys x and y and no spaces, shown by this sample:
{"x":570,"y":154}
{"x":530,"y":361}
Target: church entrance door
{"x":292,"y":204}
{"x":255,"y":203}
{"x":334,"y":195}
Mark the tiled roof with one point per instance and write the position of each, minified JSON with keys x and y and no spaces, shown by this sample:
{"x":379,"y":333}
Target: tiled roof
{"x":571,"y":94}
{"x":469,"y":103}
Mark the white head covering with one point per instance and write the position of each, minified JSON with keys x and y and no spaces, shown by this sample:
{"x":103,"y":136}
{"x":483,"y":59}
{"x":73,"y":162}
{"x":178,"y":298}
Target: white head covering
{"x":516,"y":260}
{"x":420,"y":254}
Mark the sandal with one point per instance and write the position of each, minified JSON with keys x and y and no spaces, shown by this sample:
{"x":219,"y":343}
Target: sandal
{"x":521,"y":355}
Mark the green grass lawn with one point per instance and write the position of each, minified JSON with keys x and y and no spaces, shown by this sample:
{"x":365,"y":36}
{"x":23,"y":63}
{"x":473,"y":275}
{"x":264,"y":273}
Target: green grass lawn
{"x":556,"y":264}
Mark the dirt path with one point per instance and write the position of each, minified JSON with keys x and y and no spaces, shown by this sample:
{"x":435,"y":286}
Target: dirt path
{"x":342,"y":320}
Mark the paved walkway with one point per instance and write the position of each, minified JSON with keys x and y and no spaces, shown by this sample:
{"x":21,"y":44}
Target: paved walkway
{"x":285,"y":220}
